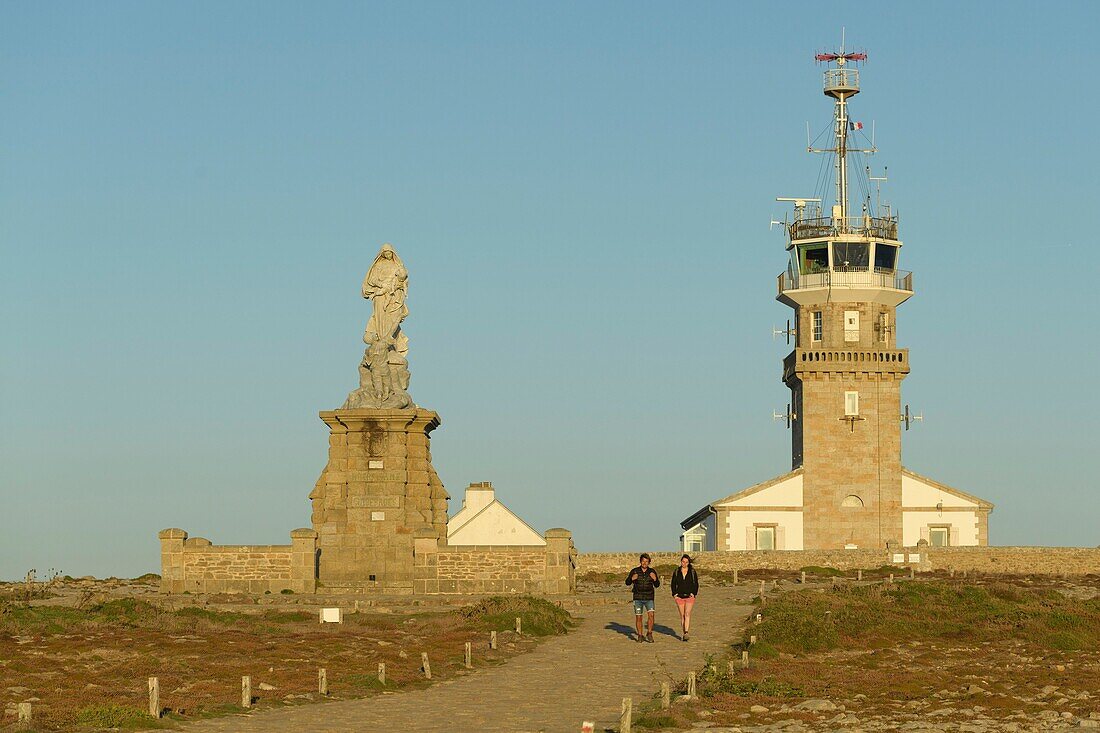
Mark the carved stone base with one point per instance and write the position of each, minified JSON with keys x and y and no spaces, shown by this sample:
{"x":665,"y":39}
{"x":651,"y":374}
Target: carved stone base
{"x":378,"y":488}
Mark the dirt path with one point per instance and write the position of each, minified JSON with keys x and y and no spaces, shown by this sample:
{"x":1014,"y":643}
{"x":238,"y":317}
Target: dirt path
{"x":581,"y":676}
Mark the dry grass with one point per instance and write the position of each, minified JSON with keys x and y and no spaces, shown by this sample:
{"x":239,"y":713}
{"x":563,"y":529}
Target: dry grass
{"x":908,"y":648}
{"x":89,"y":667}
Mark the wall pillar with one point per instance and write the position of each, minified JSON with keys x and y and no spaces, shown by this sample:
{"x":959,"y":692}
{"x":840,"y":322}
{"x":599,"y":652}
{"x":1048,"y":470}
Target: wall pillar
{"x":171,"y":560}
{"x":561,"y":565}
{"x":303,"y":560}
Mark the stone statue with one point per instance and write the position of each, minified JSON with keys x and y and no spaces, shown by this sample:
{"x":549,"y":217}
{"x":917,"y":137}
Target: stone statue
{"x":384,"y":370}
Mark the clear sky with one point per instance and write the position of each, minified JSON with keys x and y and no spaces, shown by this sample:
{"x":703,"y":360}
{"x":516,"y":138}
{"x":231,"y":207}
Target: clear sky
{"x":190,"y":195}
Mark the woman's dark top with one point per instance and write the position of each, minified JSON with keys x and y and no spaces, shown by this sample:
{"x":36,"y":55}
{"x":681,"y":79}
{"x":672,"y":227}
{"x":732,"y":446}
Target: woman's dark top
{"x":683,"y":587}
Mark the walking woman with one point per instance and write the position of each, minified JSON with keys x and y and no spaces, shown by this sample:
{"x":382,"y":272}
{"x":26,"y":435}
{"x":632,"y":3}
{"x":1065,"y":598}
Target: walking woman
{"x":685,"y":587}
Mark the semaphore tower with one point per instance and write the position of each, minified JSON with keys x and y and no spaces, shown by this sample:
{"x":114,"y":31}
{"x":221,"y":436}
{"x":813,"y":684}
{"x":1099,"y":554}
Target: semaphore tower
{"x":845,"y":372}
{"x":847,"y":488}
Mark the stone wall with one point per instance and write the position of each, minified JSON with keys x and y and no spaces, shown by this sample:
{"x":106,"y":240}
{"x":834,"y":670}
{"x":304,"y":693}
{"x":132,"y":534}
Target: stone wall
{"x":478,"y":569}
{"x":195,"y":565}
{"x":1009,"y":560}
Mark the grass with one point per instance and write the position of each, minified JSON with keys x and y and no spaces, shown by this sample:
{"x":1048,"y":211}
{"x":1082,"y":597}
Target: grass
{"x":539,"y":617}
{"x":113,"y":716}
{"x":877,"y":616}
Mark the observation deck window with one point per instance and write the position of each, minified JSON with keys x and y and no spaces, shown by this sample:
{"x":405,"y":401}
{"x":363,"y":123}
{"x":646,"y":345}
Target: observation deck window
{"x":851,"y":256}
{"x":886,"y":257}
{"x":813,"y":258}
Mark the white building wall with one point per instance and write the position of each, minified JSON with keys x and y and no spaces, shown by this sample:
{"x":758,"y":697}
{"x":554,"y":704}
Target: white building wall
{"x":739,"y":523}
{"x":495,"y":525}
{"x":964,"y":526}
{"x":784,"y":493}
{"x":916,"y":493}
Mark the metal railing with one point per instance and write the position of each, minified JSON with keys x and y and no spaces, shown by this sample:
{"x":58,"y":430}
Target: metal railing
{"x":841,"y":79}
{"x":881,"y":227}
{"x":894,"y":279}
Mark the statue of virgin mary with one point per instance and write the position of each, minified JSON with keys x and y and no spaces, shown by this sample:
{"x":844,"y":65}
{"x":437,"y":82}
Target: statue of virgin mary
{"x":384,"y":371}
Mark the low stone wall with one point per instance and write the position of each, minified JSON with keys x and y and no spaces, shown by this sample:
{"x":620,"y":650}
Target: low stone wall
{"x":196,"y":565}
{"x":1008,"y":560}
{"x":476,"y":569}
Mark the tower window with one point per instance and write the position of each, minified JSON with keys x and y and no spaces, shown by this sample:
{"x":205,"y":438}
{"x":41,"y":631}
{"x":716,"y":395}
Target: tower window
{"x":817,"y":326}
{"x":815,"y":258}
{"x":851,"y":404}
{"x":850,"y":256}
{"x":851,"y":325}
{"x":886,"y":255}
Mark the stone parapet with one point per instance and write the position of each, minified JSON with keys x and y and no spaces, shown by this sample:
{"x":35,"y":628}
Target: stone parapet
{"x":1006,"y":560}
{"x":493,"y":569}
{"x":195,"y":565}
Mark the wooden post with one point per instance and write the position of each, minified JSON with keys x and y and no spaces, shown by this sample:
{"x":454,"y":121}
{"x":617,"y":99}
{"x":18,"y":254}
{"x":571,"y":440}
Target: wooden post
{"x":758,"y":619}
{"x":469,"y":655}
{"x":492,"y":640}
{"x":752,"y":639}
{"x":891,"y":578}
{"x":745,"y":659}
{"x":761,"y":588}
{"x":425,"y":665}
{"x":912,"y":572}
{"x":519,"y":625}
{"x":24,"y":712}
{"x":624,"y":719}
{"x":666,"y":696}
{"x":322,"y":681}
{"x":735,"y":577}
{"x":246,"y":692}
{"x":803,"y":577}
{"x":952,"y":572}
{"x":154,"y":697}
{"x":729,"y":669}
{"x":382,"y":673}
{"x":691,"y":685}
{"x":859,"y":574}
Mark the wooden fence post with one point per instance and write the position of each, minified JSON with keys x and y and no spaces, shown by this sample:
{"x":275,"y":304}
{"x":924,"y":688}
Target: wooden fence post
{"x":24,"y":715}
{"x":859,"y":574}
{"x":492,"y":640}
{"x":382,"y":672}
{"x":469,"y":655}
{"x":322,"y":681}
{"x":624,"y":719}
{"x":745,"y":659}
{"x":691,"y":685}
{"x":519,"y":625}
{"x":666,"y":696}
{"x":246,"y":692}
{"x":425,"y":666}
{"x":154,"y":697}
{"x":803,"y":577}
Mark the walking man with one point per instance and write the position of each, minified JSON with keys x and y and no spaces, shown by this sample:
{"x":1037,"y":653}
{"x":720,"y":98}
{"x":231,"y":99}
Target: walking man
{"x":643,"y":579}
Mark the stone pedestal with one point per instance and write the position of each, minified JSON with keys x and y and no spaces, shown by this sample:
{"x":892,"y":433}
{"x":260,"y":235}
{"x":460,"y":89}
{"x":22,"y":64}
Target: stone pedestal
{"x":377,"y":490}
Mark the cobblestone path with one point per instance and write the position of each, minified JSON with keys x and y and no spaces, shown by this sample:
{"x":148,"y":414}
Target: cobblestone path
{"x":583,"y":675}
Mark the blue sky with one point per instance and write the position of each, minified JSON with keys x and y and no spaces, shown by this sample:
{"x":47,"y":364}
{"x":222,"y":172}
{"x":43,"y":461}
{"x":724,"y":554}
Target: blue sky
{"x":190,"y":195}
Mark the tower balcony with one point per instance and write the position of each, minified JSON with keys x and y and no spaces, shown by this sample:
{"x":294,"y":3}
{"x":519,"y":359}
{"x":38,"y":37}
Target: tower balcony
{"x":875,"y":227}
{"x":878,"y":361}
{"x":878,"y":285}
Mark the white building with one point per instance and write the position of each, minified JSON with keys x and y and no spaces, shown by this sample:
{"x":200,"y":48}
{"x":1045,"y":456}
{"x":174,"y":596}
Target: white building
{"x":483,"y":520}
{"x":768,"y":516}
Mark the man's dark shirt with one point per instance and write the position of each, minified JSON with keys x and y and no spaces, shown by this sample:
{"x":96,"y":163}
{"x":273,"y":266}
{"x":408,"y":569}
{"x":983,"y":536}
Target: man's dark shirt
{"x":644,"y":584}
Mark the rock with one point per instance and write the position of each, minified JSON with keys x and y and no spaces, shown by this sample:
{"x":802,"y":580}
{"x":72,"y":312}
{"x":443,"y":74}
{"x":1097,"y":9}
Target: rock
{"x":1088,"y":723}
{"x":387,"y":643}
{"x":265,"y":686}
{"x":974,"y":690}
{"x":702,"y":724}
{"x":816,"y":705}
{"x":403,"y":654}
{"x":18,"y":690}
{"x":758,"y":709}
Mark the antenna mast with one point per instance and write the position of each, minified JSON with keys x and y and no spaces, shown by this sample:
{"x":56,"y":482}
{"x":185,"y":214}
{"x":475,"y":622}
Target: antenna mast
{"x":841,"y":83}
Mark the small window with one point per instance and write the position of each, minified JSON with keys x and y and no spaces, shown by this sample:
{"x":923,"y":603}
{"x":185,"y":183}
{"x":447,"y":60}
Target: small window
{"x":696,"y":546}
{"x":886,"y":256}
{"x":851,"y":501}
{"x":884,"y":327}
{"x":851,"y":404}
{"x":850,"y":256}
{"x":765,"y":538}
{"x":818,"y":329}
{"x":815,"y":258}
{"x":851,"y":325}
{"x":939,"y":536}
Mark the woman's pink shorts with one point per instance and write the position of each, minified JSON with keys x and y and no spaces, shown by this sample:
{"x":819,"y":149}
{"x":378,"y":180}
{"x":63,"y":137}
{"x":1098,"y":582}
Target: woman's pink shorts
{"x":685,"y":603}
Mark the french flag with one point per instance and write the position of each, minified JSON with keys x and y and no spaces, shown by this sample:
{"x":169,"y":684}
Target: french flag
{"x":855,"y":125}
